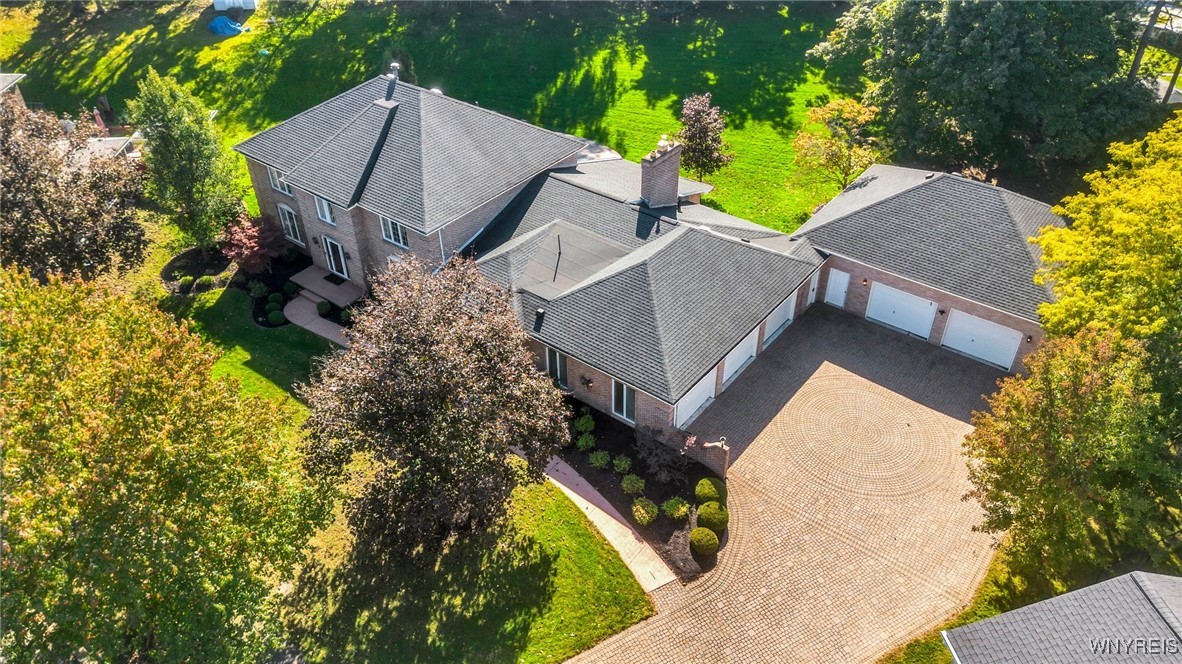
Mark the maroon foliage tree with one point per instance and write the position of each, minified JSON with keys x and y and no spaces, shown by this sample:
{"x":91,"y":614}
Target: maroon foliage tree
{"x":62,"y":211}
{"x":251,"y":242}
{"x":702,"y":125}
{"x":436,"y":392}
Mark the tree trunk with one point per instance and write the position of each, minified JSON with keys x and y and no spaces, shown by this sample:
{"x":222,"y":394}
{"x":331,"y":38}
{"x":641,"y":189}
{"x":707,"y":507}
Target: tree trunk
{"x":1173,"y":81}
{"x":1145,"y":39}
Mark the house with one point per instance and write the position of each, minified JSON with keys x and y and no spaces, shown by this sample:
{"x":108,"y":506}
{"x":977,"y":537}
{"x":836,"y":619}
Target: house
{"x":1133,"y":619}
{"x":637,"y":298}
{"x":9,"y":86}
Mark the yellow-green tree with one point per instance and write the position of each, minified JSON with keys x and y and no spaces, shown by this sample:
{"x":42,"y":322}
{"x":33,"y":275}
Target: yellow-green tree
{"x":846,"y":148}
{"x":149,"y":510}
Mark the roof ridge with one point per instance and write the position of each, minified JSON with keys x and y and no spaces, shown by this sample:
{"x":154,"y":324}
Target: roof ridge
{"x":917,"y":185}
{"x":705,"y":228}
{"x":440,"y":95}
{"x":328,"y":140}
{"x":1167,"y":615}
{"x":306,"y":110}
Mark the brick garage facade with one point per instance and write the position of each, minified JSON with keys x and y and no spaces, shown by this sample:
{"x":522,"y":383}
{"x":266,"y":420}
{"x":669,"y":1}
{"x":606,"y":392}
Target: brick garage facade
{"x":858,"y":296}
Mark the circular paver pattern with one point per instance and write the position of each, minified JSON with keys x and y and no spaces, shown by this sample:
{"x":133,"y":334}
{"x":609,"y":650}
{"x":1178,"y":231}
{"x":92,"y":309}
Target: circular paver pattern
{"x":855,"y":439}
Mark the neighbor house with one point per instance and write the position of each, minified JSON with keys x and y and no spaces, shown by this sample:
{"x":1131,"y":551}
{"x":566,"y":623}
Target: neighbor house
{"x":10,"y":88}
{"x":637,"y":298}
{"x":1133,"y":619}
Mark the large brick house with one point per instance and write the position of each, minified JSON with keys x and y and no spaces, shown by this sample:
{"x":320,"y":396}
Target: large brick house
{"x":637,"y":298}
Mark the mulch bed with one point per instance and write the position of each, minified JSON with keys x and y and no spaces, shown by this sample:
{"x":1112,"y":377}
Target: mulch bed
{"x":191,"y":264}
{"x":282,"y":270}
{"x":670,"y":539}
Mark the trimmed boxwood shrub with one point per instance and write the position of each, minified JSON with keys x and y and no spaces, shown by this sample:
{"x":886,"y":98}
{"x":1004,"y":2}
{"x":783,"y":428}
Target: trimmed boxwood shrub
{"x":703,"y":541}
{"x":275,"y":297}
{"x":346,"y":316}
{"x":676,"y":508}
{"x":185,"y":284}
{"x":276,"y":318}
{"x":710,"y":489}
{"x":644,"y":511}
{"x":205,"y":282}
{"x":599,"y":459}
{"x":323,"y":307}
{"x":291,"y":288}
{"x":633,"y":485}
{"x":585,"y":442}
{"x":622,"y":464}
{"x":714,"y":516}
{"x":585,"y":424}
{"x":274,"y":306}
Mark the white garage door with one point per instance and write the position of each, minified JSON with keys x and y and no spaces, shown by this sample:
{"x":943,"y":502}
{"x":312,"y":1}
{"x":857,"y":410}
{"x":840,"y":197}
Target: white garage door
{"x":739,"y":356}
{"x":900,"y":309}
{"x":779,"y":319}
{"x":985,"y":340}
{"x":697,"y":397}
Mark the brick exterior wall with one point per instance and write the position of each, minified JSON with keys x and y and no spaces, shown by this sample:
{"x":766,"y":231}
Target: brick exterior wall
{"x":424,"y":247}
{"x":659,"y":172}
{"x":858,"y":296}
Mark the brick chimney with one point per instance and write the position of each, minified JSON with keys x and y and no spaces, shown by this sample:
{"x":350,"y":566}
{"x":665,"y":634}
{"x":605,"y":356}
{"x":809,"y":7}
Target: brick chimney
{"x":658,"y":174}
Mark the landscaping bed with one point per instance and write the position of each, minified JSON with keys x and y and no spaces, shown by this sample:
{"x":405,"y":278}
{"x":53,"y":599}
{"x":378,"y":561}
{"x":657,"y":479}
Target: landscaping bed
{"x":264,"y":286}
{"x":669,"y":537}
{"x":189,"y":271}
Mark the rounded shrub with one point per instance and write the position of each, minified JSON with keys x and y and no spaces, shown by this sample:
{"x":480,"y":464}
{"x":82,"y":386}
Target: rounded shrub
{"x":185,"y":284}
{"x":276,"y":318}
{"x":205,"y":282}
{"x":633,"y":485}
{"x":323,"y":307}
{"x":644,"y":511}
{"x":714,"y":516}
{"x":599,"y":459}
{"x":622,"y":464}
{"x":274,"y":306}
{"x":710,"y":489}
{"x":275,"y":297}
{"x":291,"y":288}
{"x":585,"y":442}
{"x":346,"y":316}
{"x":676,"y":508}
{"x":585,"y":424}
{"x":703,"y":541}
{"x":256,"y":289}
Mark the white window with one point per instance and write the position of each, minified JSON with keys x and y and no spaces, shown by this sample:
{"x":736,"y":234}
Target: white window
{"x":290,"y":223}
{"x":393,"y":232}
{"x":277,"y":182}
{"x":556,"y":366}
{"x":324,"y":211}
{"x":624,"y":401}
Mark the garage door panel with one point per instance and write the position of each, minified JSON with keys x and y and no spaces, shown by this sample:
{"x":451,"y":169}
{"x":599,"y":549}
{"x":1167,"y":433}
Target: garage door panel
{"x":781,"y":316}
{"x":901,"y":310}
{"x":982,"y":339}
{"x":693,"y":400}
{"x":739,"y":356}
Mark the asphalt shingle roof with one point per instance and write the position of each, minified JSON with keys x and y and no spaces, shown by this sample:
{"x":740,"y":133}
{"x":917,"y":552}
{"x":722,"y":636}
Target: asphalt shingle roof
{"x":1069,"y":629}
{"x":440,"y":159}
{"x":964,"y":237}
{"x":654,"y":303}
{"x":9,"y":80}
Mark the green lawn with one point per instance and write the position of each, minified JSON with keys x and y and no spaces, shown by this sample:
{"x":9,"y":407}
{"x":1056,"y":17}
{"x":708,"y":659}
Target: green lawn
{"x":606,"y":71}
{"x":545,"y":588}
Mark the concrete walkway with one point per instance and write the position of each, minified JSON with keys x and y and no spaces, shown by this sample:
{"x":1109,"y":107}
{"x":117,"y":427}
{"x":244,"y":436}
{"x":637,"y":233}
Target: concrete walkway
{"x":301,"y":311}
{"x":648,"y":567}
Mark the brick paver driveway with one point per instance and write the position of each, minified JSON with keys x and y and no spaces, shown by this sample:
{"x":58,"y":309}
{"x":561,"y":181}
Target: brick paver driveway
{"x":848,"y":535}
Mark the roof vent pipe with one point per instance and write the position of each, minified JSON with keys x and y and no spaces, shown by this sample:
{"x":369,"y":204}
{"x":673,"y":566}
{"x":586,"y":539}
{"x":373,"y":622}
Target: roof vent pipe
{"x":393,"y":81}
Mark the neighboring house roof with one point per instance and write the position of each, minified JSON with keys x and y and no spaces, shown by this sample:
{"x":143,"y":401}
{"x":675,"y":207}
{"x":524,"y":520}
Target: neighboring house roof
{"x":423,"y":161}
{"x":964,"y":237}
{"x":9,"y":80}
{"x":652,"y":298}
{"x":1067,"y":628}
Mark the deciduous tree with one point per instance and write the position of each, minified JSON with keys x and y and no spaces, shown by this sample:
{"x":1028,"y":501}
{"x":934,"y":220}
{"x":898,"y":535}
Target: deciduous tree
{"x":987,"y":83}
{"x":705,"y":152}
{"x":435,"y":392}
{"x":149,"y":509}
{"x":189,"y":173}
{"x":1070,"y":460}
{"x":60,"y":211}
{"x":251,"y":242}
{"x":846,"y":149}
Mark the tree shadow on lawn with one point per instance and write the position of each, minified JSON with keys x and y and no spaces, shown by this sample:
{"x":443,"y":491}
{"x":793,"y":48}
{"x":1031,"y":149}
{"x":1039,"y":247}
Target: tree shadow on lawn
{"x":475,"y":601}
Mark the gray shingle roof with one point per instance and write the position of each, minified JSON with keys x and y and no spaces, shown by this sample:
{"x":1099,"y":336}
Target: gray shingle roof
{"x":964,"y":237}
{"x":9,"y":80}
{"x":620,"y":179}
{"x":440,"y":159}
{"x":1065,"y":629}
{"x":653,"y":303}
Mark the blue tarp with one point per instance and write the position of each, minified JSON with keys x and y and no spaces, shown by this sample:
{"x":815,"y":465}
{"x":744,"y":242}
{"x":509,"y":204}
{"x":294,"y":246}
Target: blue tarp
{"x":222,"y":25}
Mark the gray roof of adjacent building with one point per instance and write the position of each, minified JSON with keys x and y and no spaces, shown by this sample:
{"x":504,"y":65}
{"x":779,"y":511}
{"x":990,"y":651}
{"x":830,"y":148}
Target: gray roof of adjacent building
{"x":967,"y":238}
{"x":654,"y":298}
{"x":9,"y":80}
{"x":424,"y":160}
{"x":1135,"y":618}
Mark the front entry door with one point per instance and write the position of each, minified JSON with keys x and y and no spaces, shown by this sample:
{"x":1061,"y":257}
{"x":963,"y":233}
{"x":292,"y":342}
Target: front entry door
{"x":334,"y":255}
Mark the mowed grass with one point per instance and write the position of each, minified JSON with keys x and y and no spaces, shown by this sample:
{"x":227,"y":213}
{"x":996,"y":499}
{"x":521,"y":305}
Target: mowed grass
{"x":608,"y":71}
{"x":545,"y":587}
